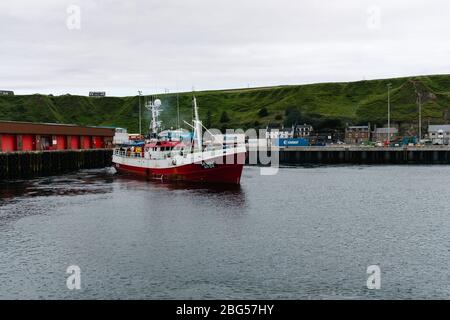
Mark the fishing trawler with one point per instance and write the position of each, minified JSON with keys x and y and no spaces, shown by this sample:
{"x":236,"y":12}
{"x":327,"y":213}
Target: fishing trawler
{"x":182,"y":155}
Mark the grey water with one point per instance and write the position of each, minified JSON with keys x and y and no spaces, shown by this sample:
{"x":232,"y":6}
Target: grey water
{"x":305,"y":233}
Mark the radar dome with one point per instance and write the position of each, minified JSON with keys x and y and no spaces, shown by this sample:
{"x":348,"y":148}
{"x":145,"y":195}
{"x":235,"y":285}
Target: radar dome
{"x":157,"y":103}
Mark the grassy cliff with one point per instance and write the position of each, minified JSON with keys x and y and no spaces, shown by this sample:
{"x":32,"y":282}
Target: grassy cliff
{"x":327,"y":105}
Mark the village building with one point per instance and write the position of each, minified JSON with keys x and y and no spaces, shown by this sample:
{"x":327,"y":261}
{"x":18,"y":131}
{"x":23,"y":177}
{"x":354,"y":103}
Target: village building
{"x":357,"y":134}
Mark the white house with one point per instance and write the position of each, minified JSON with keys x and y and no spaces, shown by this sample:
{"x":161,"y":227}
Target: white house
{"x":121,"y":136}
{"x":439,"y":134}
{"x":279,"y":133}
{"x":304,"y":130}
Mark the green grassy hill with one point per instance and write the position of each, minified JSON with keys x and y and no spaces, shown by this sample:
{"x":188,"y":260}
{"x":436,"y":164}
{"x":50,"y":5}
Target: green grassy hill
{"x":327,"y":105}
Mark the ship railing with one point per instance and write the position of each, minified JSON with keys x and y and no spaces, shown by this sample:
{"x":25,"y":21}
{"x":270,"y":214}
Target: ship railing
{"x":127,"y":154}
{"x":214,"y":153}
{"x":119,"y":152}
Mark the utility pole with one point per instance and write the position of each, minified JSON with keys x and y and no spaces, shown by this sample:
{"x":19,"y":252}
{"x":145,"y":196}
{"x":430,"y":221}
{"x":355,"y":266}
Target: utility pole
{"x":140,"y":113}
{"x":420,"y":115}
{"x":389,"y":113}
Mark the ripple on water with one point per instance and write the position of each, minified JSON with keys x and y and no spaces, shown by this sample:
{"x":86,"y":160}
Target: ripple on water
{"x":306,"y":233}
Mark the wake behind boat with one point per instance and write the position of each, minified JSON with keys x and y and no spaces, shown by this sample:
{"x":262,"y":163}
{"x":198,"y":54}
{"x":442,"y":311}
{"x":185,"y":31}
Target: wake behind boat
{"x":179,"y":155}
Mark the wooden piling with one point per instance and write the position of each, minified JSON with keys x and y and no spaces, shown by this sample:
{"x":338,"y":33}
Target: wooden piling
{"x":23,"y":165}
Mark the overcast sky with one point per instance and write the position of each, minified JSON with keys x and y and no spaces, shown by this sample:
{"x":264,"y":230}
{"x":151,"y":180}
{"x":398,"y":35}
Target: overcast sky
{"x":120,"y":46}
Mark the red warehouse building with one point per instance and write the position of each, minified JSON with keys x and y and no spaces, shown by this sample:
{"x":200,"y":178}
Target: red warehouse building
{"x":27,"y":136}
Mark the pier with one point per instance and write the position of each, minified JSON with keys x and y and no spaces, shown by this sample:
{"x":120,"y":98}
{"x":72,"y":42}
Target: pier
{"x":23,"y":165}
{"x":361,"y":155}
{"x":358,"y":155}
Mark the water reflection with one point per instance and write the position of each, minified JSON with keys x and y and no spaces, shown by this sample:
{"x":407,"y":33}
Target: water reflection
{"x":84,"y":182}
{"x":105,"y":181}
{"x":12,"y":189}
{"x":302,"y":234}
{"x":232,"y":195}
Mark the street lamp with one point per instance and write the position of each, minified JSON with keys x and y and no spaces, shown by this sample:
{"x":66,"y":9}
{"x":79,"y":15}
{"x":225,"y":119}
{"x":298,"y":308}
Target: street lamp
{"x":389,"y":113}
{"x":140,"y":117}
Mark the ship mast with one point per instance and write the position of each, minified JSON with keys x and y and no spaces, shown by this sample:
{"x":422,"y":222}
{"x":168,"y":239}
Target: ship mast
{"x":197,"y":126}
{"x":155,"y":108}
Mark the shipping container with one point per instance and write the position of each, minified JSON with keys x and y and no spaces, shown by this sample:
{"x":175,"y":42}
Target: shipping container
{"x":291,"y":142}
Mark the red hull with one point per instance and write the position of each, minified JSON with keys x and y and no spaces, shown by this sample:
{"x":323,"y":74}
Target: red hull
{"x":221,"y":173}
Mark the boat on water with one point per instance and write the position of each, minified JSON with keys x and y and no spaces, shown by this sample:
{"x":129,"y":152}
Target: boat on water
{"x":182,"y":155}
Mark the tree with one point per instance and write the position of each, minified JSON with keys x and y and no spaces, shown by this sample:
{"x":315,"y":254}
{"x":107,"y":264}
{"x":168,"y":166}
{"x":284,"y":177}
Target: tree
{"x":208,"y":122}
{"x":330,"y":124}
{"x":224,"y":117}
{"x":263,"y":112}
{"x":293,"y":116}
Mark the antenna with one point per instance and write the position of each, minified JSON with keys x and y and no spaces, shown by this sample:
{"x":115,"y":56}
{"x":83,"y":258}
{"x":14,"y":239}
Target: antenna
{"x":140,"y":112}
{"x":178,"y":111}
{"x":197,"y":125}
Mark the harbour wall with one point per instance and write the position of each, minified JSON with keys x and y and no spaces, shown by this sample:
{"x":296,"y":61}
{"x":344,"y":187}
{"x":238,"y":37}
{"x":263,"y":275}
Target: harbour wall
{"x":22,"y":165}
{"x":363,"y":156}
